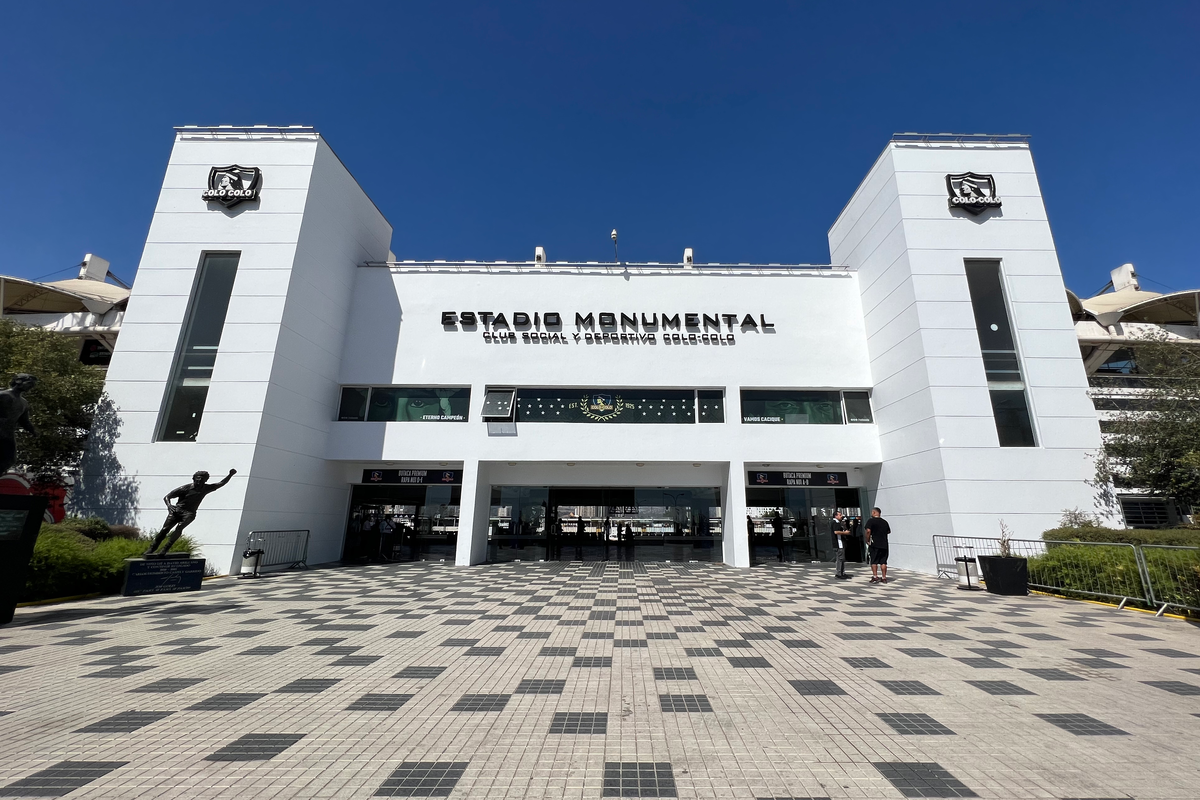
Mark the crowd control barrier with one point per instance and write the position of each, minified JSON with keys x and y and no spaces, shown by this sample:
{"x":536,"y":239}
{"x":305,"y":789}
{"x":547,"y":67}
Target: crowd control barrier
{"x":1091,"y":570}
{"x":280,"y":548}
{"x":1173,"y":573}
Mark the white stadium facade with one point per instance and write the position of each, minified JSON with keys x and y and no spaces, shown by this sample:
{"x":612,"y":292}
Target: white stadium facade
{"x":491,"y":411}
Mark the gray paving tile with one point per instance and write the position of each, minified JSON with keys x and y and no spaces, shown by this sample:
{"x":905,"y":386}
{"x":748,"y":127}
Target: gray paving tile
{"x":684,"y":703}
{"x":908,"y":688}
{"x":1081,"y":725}
{"x":922,"y":779}
{"x":914,"y":724}
{"x":638,"y":779}
{"x":819,"y":687}
{"x":60,"y":779}
{"x":379,"y":702}
{"x":423,"y":779}
{"x":256,"y":747}
{"x":125,"y":722}
{"x":226,"y":701}
{"x":588,"y":723}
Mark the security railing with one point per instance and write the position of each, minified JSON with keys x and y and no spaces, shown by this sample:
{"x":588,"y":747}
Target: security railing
{"x":1174,"y":576}
{"x":280,"y":547}
{"x":1154,"y":576}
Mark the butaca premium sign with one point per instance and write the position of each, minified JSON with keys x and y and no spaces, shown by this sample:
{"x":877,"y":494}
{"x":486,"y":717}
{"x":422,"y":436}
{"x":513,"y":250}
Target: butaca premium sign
{"x":232,"y":185}
{"x":972,"y":192}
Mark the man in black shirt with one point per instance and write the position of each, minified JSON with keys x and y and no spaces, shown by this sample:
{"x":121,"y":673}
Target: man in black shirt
{"x":841,"y":534}
{"x":877,"y":544}
{"x":183,"y":513}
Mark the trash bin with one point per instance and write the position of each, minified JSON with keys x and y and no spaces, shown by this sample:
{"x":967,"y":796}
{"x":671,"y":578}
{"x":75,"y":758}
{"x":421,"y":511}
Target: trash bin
{"x":250,"y":562}
{"x":968,"y":572}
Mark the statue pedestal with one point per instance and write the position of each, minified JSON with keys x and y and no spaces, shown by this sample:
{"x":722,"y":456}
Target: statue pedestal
{"x":176,"y":572}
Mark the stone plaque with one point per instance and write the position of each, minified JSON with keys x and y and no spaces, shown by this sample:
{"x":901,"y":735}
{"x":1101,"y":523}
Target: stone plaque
{"x":162,"y":575}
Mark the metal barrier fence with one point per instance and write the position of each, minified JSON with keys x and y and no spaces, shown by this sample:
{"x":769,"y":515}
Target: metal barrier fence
{"x":1157,"y":576}
{"x":1173,"y":574}
{"x":280,"y":547}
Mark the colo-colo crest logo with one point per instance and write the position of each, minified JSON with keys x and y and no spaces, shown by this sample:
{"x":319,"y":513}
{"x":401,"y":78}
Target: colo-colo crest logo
{"x":972,"y":192}
{"x":601,"y":407}
{"x":232,"y":185}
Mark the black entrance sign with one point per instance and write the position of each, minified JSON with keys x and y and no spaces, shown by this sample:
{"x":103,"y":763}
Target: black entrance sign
{"x":162,"y":575}
{"x":796,"y":479}
{"x":421,"y":477}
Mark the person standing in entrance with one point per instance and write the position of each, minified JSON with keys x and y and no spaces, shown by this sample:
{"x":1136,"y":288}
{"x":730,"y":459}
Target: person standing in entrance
{"x":877,"y":544}
{"x":841,"y":532}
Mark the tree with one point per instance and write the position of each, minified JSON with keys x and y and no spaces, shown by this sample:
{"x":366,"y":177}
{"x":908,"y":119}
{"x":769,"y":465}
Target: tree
{"x":1152,"y":441}
{"x":61,"y":405}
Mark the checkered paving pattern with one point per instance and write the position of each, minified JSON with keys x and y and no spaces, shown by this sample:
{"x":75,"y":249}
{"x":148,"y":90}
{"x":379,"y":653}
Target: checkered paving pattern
{"x":596,"y":680}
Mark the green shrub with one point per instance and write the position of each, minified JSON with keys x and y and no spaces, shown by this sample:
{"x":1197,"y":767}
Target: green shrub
{"x":1085,"y":571}
{"x":1175,"y":575}
{"x":91,"y":527}
{"x":1080,"y":570}
{"x":66,"y":562}
{"x":1189,"y":537}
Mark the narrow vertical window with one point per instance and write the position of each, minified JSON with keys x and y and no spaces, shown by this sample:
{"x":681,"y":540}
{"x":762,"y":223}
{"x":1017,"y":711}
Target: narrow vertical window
{"x":1006,"y":383}
{"x":199,"y":338}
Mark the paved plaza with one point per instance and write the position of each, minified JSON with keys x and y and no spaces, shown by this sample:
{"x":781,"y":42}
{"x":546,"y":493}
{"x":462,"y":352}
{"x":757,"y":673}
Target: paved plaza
{"x":596,"y":680}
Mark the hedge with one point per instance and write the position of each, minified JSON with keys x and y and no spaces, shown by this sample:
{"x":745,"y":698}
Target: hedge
{"x":1189,"y":537}
{"x":67,"y":562}
{"x":1078,"y":570}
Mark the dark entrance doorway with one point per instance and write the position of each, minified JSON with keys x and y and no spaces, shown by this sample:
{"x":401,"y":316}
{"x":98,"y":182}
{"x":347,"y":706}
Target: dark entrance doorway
{"x":794,"y":524}
{"x":402,"y":523}
{"x":573,"y":523}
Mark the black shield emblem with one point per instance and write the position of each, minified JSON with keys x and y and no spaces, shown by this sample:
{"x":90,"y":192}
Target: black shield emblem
{"x":233,"y":184}
{"x":972,"y":192}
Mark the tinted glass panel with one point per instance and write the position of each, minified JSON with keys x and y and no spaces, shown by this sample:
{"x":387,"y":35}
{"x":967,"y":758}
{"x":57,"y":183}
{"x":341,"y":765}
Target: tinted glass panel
{"x":858,"y":407}
{"x":711,"y":405}
{"x":987,"y":301}
{"x":408,"y":404}
{"x":668,"y":406}
{"x":1012,"y":418}
{"x":198,"y":342}
{"x":354,"y":403}
{"x":497,"y":404}
{"x":791,"y":407}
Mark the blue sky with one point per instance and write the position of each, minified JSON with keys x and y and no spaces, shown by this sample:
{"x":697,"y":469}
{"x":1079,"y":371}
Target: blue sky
{"x":738,"y":129}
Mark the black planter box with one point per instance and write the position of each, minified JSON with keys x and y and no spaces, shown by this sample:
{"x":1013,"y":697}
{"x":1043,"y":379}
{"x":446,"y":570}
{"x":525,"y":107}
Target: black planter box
{"x":1009,"y":576}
